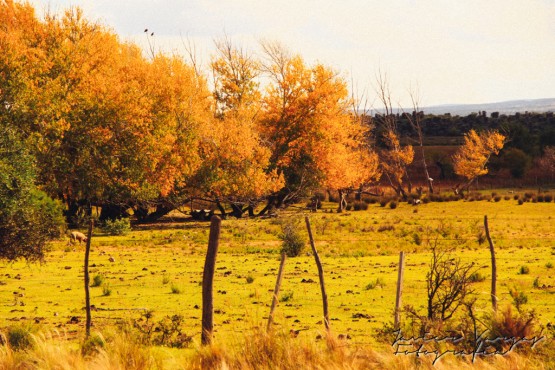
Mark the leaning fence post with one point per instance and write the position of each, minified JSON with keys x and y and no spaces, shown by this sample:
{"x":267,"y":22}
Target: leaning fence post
{"x":320,"y":274}
{"x":493,"y":267}
{"x":208,"y":279}
{"x":397,"y":318}
{"x":276,"y":290}
{"x":87,"y":280}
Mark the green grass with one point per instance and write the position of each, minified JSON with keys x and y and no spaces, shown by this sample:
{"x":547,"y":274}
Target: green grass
{"x":354,"y":253}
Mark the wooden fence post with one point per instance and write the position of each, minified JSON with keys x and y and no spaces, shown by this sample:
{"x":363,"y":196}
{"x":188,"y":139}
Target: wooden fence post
{"x":276,"y":290}
{"x":87,"y":280}
{"x":397,"y":318}
{"x":320,"y":274}
{"x":208,"y":279}
{"x":493,"y":267}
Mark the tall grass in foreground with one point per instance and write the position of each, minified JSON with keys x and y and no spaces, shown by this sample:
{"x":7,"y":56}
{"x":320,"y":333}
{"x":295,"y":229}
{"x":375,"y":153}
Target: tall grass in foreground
{"x":258,"y":350}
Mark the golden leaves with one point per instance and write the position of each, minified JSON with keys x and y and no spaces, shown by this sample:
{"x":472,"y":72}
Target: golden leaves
{"x":471,"y":158}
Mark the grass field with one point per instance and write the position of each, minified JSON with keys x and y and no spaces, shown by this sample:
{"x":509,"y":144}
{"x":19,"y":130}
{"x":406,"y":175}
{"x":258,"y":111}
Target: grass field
{"x":158,"y":268}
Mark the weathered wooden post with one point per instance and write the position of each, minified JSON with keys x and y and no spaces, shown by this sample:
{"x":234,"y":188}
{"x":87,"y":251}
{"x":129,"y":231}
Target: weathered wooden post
{"x":276,"y":290}
{"x":208,"y":279}
{"x":87,"y":280}
{"x":493,"y":267}
{"x":320,"y":274}
{"x":397,"y":318}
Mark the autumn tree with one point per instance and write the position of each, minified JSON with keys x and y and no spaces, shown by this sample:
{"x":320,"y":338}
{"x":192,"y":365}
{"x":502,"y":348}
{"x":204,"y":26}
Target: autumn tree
{"x":108,"y":127}
{"x":470,"y":160}
{"x":313,"y":138}
{"x":394,"y":157}
{"x":235,"y":167}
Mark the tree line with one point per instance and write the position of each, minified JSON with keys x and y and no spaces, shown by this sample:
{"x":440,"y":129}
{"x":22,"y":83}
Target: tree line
{"x":98,"y":122}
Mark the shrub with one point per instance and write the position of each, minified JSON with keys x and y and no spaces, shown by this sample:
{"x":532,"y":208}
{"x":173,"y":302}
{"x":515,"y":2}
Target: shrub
{"x":370,"y":200}
{"x":250,"y":279}
{"x":28,"y":217}
{"x":519,"y":298}
{"x":97,"y":280}
{"x":393,"y":204}
{"x":165,"y":279}
{"x":536,"y":283}
{"x":349,"y":206}
{"x":383,"y":202}
{"x":286,"y":297}
{"x":506,"y":197}
{"x":497,"y":198}
{"x":373,"y":284}
{"x":548,"y":198}
{"x":520,"y":202}
{"x":540,"y":198}
{"x":516,"y":197}
{"x":293,"y":241}
{"x":476,"y":277}
{"x":360,"y":206}
{"x":106,"y":290}
{"x":524,"y":270}
{"x":175,"y":289}
{"x":121,"y":226}
{"x":92,"y":345}
{"x":508,"y":325}
{"x":549,"y":265}
{"x":20,"y":338}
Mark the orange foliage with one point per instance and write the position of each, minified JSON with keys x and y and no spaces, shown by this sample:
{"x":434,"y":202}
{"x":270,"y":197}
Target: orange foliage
{"x":471,"y":158}
{"x":313,"y":137}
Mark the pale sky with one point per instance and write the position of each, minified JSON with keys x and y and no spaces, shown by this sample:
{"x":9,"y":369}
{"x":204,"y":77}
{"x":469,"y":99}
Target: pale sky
{"x":456,"y":51}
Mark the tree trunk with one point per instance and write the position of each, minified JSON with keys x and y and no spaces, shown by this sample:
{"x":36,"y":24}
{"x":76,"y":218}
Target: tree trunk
{"x":237,"y":211}
{"x":250,"y":209}
{"x":220,"y":208}
{"x":342,"y":201}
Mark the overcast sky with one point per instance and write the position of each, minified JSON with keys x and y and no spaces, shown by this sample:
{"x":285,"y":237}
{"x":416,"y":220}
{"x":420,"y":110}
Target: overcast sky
{"x":456,"y":51}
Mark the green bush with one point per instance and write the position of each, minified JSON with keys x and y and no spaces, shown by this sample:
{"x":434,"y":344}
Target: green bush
{"x":97,"y":280}
{"x":92,"y":345}
{"x":524,"y":270}
{"x":476,"y":277}
{"x":106,"y":291}
{"x":20,"y":338}
{"x":393,"y":204}
{"x":376,"y":283}
{"x":293,"y":241}
{"x":120,"y":226}
{"x":286,"y":297}
{"x":28,"y":217}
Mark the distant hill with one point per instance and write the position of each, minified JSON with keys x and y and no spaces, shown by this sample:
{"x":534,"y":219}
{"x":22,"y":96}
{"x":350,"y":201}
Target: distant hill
{"x":506,"y":107}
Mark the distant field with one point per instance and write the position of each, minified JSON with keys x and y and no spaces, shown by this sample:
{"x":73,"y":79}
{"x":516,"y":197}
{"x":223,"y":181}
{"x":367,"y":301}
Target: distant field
{"x":355,"y":247}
